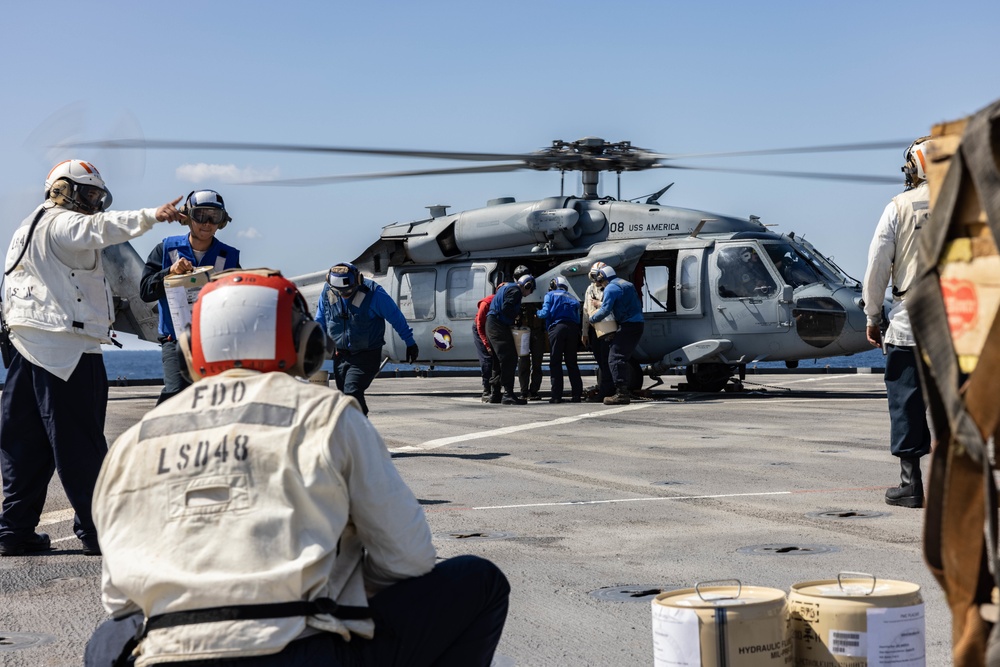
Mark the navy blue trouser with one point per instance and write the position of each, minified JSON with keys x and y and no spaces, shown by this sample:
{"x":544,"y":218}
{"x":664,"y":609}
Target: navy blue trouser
{"x":354,"y":372}
{"x":564,"y":337}
{"x":452,"y":616}
{"x":909,"y":436}
{"x":529,"y":368}
{"x":173,"y":382}
{"x":485,"y":358}
{"x":622,"y":347}
{"x":600,"y":347}
{"x":504,"y":354}
{"x":50,"y":425}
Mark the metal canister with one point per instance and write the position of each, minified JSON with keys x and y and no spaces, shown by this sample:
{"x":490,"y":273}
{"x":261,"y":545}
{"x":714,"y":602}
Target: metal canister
{"x":721,"y":626}
{"x":857,"y":620}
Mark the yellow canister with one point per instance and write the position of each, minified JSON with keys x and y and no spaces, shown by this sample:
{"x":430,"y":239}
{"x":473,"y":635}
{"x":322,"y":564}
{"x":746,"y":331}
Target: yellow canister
{"x":857,"y":620}
{"x":721,"y":626}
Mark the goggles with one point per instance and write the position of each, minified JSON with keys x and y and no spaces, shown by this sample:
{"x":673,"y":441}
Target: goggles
{"x":93,"y":197}
{"x":207,"y":215}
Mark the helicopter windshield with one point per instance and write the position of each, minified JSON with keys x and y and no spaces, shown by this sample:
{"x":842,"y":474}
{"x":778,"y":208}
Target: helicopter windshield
{"x":795,"y":269}
{"x":821,"y":263}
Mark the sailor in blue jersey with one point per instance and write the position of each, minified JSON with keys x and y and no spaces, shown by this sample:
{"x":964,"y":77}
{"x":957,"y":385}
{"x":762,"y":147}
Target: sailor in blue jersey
{"x":506,"y":306}
{"x":176,"y":255}
{"x":561,"y":312}
{"x":621,"y":300}
{"x":353,"y":312}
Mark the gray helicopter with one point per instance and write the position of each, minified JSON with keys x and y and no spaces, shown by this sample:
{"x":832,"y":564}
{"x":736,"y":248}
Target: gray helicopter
{"x":718,"y":292}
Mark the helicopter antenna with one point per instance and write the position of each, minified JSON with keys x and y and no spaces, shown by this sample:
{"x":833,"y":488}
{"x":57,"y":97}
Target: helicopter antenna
{"x":619,"y":172}
{"x":562,"y":182}
{"x":655,"y":197}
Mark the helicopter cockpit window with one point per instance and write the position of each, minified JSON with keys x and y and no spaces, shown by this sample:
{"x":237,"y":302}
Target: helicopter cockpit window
{"x":742,"y":273}
{"x":794,"y":269}
{"x":466,"y":286}
{"x":416,"y":295}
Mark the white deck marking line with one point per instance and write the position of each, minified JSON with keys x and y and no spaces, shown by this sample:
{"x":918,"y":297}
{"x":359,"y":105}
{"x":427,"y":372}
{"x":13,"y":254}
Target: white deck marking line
{"x":58,"y":516}
{"x":832,"y":376}
{"x":442,"y":442}
{"x":635,"y":500}
{"x":64,"y":539}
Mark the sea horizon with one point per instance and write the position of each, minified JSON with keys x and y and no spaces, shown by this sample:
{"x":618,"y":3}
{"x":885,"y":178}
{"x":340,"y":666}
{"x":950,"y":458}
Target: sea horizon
{"x":146,"y":365}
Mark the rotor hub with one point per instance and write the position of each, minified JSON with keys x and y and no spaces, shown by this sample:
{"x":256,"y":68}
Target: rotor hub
{"x":591,"y":154}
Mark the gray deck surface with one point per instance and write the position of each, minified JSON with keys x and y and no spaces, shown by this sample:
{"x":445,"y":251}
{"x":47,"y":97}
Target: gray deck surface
{"x":572,"y":498}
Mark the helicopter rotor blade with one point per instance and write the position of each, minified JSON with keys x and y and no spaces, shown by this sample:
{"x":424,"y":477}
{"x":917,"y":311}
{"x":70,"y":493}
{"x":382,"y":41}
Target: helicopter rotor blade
{"x":854,"y":178}
{"x":347,"y":178}
{"x":834,"y":148}
{"x":296,"y":148}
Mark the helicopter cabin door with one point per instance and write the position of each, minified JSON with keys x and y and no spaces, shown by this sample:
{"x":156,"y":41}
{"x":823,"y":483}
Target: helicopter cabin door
{"x":746,"y":291}
{"x":440,"y":303}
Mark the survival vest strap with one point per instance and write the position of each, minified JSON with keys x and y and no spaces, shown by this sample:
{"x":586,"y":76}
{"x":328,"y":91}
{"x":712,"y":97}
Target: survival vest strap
{"x":962,"y":495}
{"x":248,"y":612}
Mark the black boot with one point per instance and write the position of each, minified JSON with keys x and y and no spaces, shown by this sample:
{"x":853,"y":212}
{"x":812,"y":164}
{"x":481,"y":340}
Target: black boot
{"x":910,"y":492}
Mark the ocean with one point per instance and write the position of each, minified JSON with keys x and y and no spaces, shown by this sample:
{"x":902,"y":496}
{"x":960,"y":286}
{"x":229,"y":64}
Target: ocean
{"x":146,"y":364}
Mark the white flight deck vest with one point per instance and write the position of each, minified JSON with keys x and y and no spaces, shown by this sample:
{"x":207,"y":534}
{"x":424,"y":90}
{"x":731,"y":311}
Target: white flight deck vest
{"x":44,"y":293}
{"x":913,"y":209}
{"x":226,"y":495}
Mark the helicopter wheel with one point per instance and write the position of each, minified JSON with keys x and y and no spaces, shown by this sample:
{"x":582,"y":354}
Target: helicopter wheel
{"x":708,"y":377}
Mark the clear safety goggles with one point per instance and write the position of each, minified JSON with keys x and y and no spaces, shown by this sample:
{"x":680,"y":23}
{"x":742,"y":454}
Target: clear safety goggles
{"x":207,"y":215}
{"x":93,"y":197}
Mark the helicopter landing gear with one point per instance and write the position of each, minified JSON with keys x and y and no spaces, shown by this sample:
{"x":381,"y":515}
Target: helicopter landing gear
{"x":709,"y":377}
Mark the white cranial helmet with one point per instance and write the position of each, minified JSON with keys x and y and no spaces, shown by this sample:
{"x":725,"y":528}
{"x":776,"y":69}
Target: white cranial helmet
{"x":915,"y":156}
{"x":77,"y":185}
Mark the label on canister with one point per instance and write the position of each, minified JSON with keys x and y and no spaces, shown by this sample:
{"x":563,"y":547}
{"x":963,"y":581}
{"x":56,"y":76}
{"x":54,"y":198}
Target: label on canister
{"x":857,"y":622}
{"x":721,"y":626}
{"x":522,"y":341}
{"x":181,"y":292}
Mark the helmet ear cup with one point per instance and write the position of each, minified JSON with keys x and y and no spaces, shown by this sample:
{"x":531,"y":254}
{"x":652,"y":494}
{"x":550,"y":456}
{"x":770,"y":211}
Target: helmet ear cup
{"x":186,"y":210}
{"x":185,"y":359}
{"x":61,"y":193}
{"x":310,"y":344}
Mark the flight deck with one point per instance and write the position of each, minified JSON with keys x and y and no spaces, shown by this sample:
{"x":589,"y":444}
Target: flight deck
{"x":590,"y":510}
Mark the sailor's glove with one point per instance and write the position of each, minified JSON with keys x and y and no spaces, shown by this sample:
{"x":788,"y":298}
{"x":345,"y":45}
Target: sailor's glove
{"x":412,"y":352}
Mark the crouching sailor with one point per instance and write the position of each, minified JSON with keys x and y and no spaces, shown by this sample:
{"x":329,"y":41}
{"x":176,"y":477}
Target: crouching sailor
{"x":258,"y":519}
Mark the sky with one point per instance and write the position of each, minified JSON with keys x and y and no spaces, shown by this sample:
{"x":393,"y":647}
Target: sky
{"x":673,"y":77}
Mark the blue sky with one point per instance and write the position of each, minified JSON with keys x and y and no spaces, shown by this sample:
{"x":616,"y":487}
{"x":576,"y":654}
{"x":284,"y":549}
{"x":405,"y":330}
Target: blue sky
{"x":471,"y":76}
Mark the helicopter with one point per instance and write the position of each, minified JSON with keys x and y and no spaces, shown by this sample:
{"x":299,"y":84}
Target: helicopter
{"x":718,"y":291}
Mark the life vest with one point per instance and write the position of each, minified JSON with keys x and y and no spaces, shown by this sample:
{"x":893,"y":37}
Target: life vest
{"x":219,"y":256}
{"x":350,"y":323}
{"x":44,"y":293}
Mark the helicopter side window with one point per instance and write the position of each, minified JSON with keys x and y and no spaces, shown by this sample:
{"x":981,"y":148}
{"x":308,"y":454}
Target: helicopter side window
{"x":742,"y":274}
{"x":416,"y":295}
{"x":689,"y":282}
{"x":658,"y":293}
{"x":466,"y":286}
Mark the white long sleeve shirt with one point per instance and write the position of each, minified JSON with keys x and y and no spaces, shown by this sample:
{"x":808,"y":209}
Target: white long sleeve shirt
{"x":893,"y":255}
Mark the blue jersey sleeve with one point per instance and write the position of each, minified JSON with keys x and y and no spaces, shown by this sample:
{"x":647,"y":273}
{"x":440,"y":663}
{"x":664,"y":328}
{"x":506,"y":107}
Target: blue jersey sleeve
{"x":543,"y":312}
{"x":386,"y":308}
